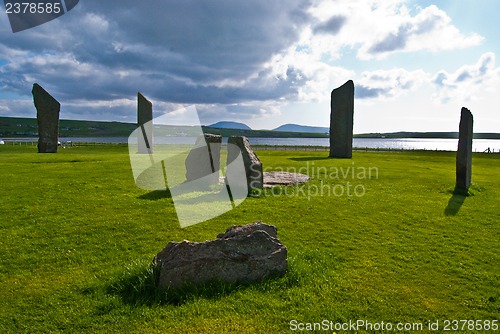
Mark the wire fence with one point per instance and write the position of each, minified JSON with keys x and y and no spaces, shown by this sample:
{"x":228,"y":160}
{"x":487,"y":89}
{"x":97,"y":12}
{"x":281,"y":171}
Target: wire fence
{"x":358,"y":149}
{"x":24,"y":142}
{"x":62,"y":144}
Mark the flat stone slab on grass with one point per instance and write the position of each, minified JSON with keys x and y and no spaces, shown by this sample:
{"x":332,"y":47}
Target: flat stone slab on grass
{"x":272,"y":179}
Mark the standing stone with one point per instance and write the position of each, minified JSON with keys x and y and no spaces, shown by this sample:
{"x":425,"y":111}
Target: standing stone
{"x":341,"y":120}
{"x":144,"y":121}
{"x":253,"y":166}
{"x":47,"y":114}
{"x":204,"y":159}
{"x":464,"y":152}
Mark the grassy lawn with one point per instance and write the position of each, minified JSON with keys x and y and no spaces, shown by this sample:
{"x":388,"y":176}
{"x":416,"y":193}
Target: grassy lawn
{"x":77,"y":237}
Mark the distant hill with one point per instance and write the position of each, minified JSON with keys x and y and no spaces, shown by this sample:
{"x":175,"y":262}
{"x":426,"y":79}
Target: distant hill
{"x":28,"y":127}
{"x":302,"y":128}
{"x":230,"y":125}
{"x":12,"y":127}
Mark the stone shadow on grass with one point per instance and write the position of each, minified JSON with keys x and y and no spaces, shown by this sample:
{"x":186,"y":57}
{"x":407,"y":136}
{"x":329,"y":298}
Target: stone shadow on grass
{"x":311,"y":158}
{"x":210,"y":195}
{"x":137,"y":287}
{"x":455,"y":203}
{"x":156,"y":195}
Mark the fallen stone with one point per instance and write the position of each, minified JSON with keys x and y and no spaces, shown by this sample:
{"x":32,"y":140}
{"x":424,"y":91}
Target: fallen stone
{"x":47,"y":114}
{"x":243,"y":254}
{"x":253,"y":166}
{"x":248,"y":229}
{"x":272,"y":179}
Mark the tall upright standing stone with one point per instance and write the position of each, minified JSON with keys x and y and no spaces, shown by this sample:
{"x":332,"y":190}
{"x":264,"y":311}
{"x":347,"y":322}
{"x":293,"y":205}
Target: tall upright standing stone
{"x":464,"y":152}
{"x":47,"y":114}
{"x":144,"y":121}
{"x":253,"y":166}
{"x":341,"y":120}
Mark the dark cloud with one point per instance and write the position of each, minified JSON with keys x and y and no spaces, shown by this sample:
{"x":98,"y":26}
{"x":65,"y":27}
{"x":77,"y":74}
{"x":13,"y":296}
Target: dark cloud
{"x":175,"y":51}
{"x":364,"y":92}
{"x":427,"y":24}
{"x":463,"y":76}
{"x":440,"y":78}
{"x":332,"y":26}
{"x":486,"y":62}
{"x":391,"y":42}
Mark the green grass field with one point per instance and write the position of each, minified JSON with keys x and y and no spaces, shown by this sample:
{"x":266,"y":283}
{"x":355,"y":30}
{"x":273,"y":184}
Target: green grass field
{"x":77,"y":239}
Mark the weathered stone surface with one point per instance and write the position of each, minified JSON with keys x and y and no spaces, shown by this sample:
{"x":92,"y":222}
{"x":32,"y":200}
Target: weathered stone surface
{"x":243,"y":254}
{"x":236,"y":230}
{"x":272,"y":179}
{"x":47,"y":114}
{"x":341,"y":120}
{"x":204,"y":158}
{"x":253,"y":166}
{"x":464,"y":152}
{"x":144,"y":121}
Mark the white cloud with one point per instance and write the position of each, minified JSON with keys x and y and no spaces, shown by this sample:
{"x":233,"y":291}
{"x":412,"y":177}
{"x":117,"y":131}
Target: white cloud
{"x":97,"y":24}
{"x":387,"y":84}
{"x":317,"y":78}
{"x":376,"y":29}
{"x":13,"y":107}
{"x":431,"y":30}
{"x":380,"y":28}
{"x":468,"y":82}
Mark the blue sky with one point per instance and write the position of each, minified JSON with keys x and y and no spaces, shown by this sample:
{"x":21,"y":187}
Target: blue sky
{"x":264,"y":63}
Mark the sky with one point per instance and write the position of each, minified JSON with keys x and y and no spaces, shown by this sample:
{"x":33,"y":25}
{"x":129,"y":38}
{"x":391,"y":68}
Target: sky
{"x":264,"y":63}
